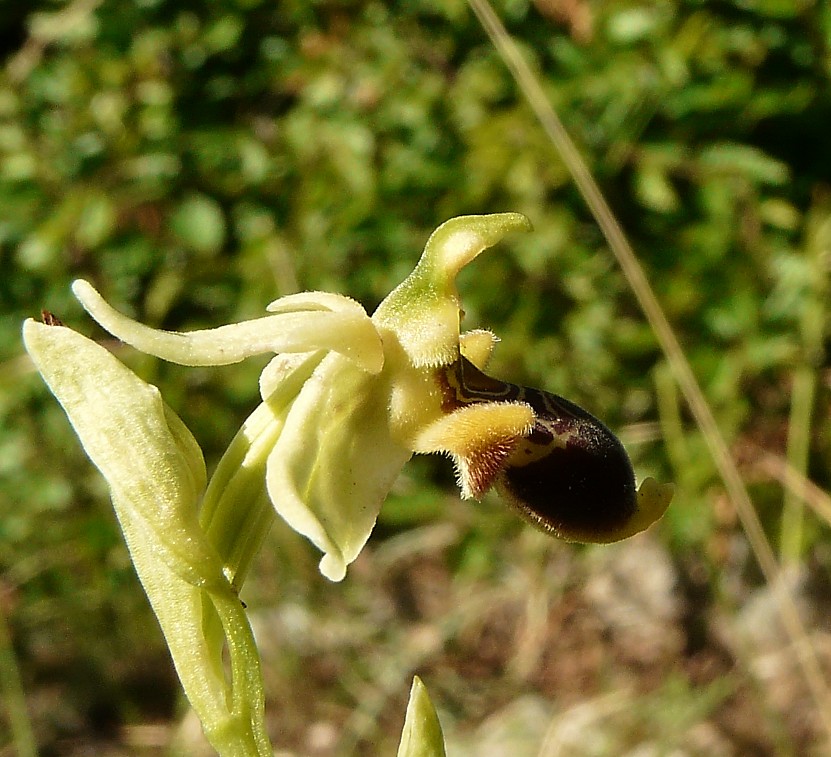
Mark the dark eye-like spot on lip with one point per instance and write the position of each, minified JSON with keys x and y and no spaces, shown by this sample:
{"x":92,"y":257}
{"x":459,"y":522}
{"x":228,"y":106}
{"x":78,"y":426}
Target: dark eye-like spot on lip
{"x":582,"y":491}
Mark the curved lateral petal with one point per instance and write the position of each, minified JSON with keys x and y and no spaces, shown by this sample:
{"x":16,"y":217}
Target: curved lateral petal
{"x":348,"y":331}
{"x":477,"y":346}
{"x":480,"y":438}
{"x":335,"y":462}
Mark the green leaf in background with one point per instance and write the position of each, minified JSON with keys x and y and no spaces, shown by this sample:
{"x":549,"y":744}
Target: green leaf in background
{"x":199,"y":223}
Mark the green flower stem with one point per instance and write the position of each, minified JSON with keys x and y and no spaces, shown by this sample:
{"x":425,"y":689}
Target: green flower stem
{"x":231,"y":712}
{"x":244,"y":733}
{"x":11,"y":687}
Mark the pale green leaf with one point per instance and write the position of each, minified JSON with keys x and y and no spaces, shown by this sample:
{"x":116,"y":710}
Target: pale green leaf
{"x":156,"y":475}
{"x":422,"y":736}
{"x":147,"y":455}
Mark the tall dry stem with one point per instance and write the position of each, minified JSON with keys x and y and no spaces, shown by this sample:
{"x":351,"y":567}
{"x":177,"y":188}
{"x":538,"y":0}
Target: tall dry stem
{"x":664,"y":333}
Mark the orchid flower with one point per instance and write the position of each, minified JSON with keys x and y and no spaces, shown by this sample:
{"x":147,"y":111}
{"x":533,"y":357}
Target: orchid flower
{"x":346,"y":401}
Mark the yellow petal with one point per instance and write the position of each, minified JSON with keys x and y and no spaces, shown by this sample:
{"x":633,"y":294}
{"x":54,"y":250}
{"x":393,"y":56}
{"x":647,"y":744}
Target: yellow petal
{"x":480,"y":438}
{"x":477,"y":346}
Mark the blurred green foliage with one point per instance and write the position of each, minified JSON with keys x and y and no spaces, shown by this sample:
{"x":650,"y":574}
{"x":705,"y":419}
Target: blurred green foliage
{"x":198,"y":159}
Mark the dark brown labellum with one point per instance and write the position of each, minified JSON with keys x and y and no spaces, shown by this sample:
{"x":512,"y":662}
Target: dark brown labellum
{"x":570,"y":475}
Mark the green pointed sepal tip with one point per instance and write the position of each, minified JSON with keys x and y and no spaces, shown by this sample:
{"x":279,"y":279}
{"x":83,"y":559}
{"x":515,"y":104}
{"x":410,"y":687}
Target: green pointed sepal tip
{"x":423,"y":311}
{"x":458,"y":241}
{"x":422,"y":736}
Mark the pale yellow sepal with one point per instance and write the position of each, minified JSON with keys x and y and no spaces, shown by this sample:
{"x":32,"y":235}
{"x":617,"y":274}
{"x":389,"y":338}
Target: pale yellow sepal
{"x":335,"y":461}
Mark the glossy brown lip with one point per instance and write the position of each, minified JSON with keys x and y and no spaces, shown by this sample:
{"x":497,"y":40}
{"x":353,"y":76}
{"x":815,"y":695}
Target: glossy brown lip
{"x":570,"y":475}
{"x":583,"y":491}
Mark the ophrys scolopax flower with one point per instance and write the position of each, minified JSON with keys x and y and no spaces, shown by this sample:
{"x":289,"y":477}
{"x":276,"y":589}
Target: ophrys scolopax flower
{"x":371,"y":392}
{"x":346,"y":401}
